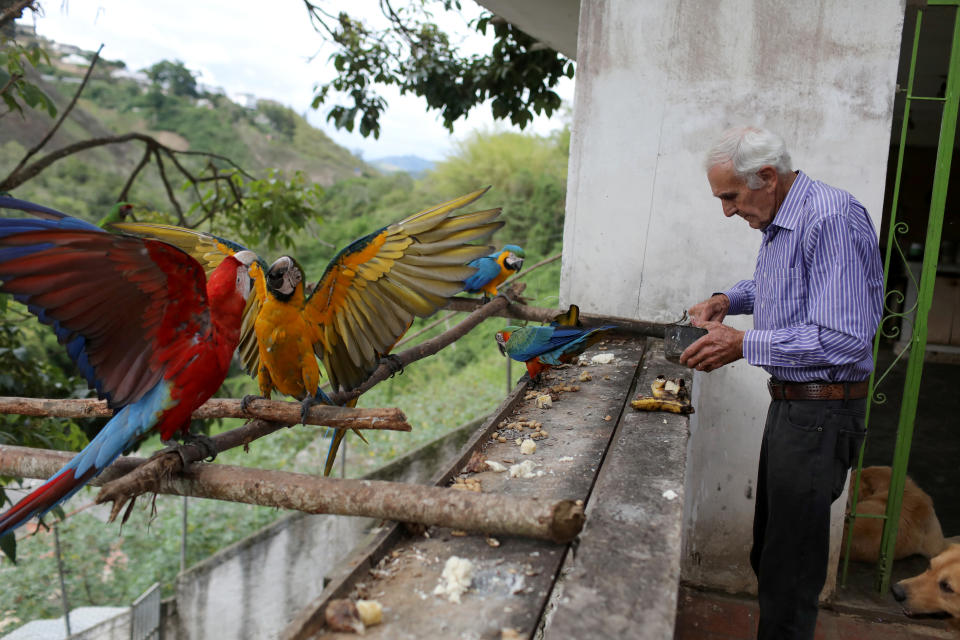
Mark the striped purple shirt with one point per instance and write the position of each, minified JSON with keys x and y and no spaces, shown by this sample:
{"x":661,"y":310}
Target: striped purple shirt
{"x":817,"y":291}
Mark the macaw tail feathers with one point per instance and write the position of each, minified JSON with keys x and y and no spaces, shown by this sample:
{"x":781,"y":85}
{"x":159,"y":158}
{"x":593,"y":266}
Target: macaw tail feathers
{"x":54,"y":491}
{"x":569,"y":318}
{"x":338,"y":435}
{"x":335,"y":441}
{"x":118,"y":435}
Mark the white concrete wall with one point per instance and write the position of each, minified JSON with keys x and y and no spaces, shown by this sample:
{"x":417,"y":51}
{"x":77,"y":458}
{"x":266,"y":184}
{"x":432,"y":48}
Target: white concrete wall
{"x":644,"y":238}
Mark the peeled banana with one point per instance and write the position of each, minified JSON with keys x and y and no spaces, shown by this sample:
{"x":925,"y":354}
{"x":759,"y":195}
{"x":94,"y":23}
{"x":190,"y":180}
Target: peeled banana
{"x":666,"y":395}
{"x":646,"y":403}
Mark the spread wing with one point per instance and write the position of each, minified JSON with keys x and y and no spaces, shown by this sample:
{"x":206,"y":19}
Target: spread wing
{"x":210,"y":250}
{"x":117,"y":302}
{"x":371,"y":291}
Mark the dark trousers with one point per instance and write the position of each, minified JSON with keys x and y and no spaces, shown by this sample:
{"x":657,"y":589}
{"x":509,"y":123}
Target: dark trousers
{"x":808,"y":446}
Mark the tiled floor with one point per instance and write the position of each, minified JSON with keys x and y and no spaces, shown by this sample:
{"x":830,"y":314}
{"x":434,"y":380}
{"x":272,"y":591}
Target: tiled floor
{"x":714,"y":616}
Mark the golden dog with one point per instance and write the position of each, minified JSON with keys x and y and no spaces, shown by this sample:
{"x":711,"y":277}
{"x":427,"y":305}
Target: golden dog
{"x":935,"y":593}
{"x":919,"y":531}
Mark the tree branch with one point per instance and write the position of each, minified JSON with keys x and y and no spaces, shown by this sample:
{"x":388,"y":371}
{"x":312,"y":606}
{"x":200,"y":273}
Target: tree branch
{"x":169,"y":189}
{"x":26,"y":170}
{"x":63,"y":115}
{"x":527,"y":272}
{"x":16,"y":77}
{"x":537,"y":314}
{"x":15,"y":11}
{"x":19,"y":176}
{"x":125,"y":192}
{"x":559,"y":521}
{"x":286,"y":412}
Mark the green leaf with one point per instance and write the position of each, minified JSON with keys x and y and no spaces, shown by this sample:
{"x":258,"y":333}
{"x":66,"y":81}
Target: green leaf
{"x":8,"y":544}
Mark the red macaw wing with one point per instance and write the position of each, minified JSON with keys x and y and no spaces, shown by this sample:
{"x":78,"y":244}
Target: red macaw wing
{"x":210,"y":250}
{"x":371,"y":290}
{"x":117,"y":302}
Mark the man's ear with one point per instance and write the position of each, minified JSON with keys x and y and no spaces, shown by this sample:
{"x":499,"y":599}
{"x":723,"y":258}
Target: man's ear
{"x":769,"y":175}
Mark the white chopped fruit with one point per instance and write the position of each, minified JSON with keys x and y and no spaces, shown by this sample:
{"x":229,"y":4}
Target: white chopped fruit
{"x":496,"y":466}
{"x":670,"y":494}
{"x":528,"y":446}
{"x":525,"y":469}
{"x":455,"y":579}
{"x":602,"y":358}
{"x":544,"y":401}
{"x":670,"y":386}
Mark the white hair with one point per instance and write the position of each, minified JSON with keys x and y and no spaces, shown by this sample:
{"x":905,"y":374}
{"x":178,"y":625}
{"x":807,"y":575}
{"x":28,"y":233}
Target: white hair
{"x":749,"y":149}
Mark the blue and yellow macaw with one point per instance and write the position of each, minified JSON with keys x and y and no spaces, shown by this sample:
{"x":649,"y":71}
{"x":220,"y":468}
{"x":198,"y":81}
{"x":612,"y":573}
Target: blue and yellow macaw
{"x":493,"y":269}
{"x":365,"y":300}
{"x":558,"y":343}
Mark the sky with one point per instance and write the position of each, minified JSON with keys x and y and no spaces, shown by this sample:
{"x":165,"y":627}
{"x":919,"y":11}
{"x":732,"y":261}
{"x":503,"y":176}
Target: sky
{"x":244,"y":48}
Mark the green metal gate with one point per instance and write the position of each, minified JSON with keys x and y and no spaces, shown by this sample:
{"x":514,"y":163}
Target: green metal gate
{"x":916,"y":347}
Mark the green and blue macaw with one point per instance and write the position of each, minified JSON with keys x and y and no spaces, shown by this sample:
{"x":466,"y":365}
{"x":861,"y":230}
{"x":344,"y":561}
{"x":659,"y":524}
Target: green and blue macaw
{"x":558,"y":343}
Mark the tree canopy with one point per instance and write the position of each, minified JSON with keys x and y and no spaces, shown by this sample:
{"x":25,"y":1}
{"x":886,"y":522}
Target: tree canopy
{"x":414,"y":54}
{"x":173,"y":77}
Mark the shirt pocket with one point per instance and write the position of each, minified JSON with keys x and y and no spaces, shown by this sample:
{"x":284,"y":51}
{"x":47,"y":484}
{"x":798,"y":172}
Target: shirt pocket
{"x":783,"y":294}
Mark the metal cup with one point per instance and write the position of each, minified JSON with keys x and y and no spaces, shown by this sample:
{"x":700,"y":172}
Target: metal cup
{"x":677,"y":337}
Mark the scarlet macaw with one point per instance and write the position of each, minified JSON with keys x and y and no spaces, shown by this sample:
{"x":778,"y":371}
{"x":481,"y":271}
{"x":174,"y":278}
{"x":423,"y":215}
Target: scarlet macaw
{"x":557,"y":343}
{"x":146,"y":328}
{"x":365,"y":301}
{"x":494,"y":269}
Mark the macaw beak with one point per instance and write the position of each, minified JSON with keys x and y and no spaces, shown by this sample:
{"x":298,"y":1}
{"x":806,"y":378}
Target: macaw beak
{"x":244,"y":279}
{"x":502,"y":338}
{"x":514,"y":262}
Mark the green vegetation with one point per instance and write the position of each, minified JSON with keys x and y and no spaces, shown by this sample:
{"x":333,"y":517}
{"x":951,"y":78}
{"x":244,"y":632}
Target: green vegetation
{"x":109,"y":564}
{"x":415,"y":55}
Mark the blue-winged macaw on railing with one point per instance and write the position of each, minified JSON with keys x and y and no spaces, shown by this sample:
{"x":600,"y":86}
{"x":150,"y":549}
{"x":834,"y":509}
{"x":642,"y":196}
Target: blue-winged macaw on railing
{"x":493,"y":269}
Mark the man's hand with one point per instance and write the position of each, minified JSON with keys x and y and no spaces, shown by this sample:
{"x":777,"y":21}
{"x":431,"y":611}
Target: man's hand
{"x":712,"y":309}
{"x":722,"y":345}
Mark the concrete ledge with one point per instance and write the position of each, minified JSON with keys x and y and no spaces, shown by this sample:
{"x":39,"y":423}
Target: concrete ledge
{"x":623,"y":579}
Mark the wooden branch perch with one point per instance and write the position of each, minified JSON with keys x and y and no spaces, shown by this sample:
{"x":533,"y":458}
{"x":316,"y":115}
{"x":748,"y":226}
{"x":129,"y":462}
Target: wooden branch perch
{"x":147,"y":475}
{"x":537,"y":314}
{"x":287,"y":412}
{"x":559,"y":521}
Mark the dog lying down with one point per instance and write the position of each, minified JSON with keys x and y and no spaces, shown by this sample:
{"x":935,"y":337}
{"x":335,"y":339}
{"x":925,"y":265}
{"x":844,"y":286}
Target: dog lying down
{"x":919,"y":531}
{"x":935,"y":593}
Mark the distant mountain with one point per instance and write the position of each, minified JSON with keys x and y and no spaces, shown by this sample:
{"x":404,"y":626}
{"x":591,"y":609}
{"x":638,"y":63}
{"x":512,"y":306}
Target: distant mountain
{"x":413,"y":165}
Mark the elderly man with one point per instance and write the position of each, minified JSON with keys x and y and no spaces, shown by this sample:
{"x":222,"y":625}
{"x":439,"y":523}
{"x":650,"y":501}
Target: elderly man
{"x":816,"y":298}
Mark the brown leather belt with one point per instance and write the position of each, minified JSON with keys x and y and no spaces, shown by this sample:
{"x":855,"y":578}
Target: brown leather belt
{"x":817,"y":390}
